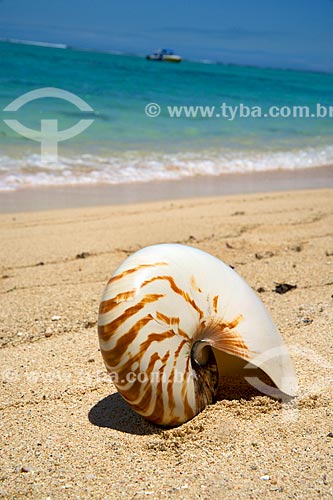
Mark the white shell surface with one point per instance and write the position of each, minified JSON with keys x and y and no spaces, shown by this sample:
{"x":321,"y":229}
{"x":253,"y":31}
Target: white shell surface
{"x":159,"y":302}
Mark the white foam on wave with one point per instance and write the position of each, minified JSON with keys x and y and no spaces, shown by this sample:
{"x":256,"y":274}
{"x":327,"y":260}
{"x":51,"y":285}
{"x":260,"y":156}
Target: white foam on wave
{"x":34,"y":42}
{"x":30,"y":171}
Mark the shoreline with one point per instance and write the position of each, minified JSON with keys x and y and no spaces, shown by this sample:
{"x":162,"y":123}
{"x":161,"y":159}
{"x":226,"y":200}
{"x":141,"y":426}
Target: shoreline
{"x":61,"y":197}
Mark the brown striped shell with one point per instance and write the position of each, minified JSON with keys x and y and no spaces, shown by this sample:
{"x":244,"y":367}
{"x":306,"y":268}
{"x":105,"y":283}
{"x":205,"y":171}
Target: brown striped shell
{"x":166,"y":314}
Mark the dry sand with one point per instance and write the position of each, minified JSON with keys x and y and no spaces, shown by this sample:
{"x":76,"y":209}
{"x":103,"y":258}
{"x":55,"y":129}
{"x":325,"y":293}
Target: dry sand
{"x":66,"y":433}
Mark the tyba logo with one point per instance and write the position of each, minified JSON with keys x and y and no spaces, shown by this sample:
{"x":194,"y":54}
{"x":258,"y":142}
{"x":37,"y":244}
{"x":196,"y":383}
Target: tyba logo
{"x":48,"y":135}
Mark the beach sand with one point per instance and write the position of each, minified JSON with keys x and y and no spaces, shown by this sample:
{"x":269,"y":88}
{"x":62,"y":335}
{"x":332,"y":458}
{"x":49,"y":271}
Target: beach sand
{"x":67,"y":434}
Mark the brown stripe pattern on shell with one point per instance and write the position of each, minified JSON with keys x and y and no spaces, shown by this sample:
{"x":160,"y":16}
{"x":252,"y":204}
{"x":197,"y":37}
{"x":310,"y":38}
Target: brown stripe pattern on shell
{"x":147,"y":351}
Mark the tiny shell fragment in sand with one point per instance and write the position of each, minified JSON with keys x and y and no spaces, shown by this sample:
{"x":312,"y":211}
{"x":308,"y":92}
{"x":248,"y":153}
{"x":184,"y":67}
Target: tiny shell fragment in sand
{"x":55,"y":318}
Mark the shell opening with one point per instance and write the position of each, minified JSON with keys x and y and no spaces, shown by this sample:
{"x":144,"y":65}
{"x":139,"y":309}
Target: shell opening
{"x":206,"y":374}
{"x":201,"y":353}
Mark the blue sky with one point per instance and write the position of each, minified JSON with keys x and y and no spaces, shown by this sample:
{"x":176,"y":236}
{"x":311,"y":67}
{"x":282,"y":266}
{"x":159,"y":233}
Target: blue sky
{"x":278,"y":33}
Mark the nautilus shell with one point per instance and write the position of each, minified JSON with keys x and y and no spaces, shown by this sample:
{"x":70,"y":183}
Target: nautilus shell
{"x":167,"y":315}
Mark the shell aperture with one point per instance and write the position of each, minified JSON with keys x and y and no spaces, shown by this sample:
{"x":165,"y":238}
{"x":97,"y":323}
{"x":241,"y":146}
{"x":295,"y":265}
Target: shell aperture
{"x":166,"y":314}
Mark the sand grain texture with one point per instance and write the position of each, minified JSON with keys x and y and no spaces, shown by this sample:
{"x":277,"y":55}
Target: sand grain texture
{"x":66,"y":433}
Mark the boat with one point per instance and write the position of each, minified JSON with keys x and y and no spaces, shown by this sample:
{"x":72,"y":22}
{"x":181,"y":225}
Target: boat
{"x":164,"y":55}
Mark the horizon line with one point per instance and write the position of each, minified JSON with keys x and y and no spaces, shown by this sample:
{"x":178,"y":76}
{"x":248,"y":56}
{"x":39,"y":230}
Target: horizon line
{"x":115,"y":52}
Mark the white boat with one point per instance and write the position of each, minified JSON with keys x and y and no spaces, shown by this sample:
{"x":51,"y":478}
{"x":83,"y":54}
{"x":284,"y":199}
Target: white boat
{"x":164,"y":55}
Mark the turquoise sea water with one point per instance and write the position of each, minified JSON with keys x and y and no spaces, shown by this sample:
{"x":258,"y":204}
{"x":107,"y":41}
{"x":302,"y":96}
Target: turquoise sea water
{"x":123,"y":144}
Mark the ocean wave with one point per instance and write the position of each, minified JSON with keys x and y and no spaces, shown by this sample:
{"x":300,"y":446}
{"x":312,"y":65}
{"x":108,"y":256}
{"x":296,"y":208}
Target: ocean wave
{"x":31,"y":171}
{"x":34,"y":42}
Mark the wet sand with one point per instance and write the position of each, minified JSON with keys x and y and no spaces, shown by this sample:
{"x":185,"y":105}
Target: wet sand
{"x":67,"y":434}
{"x":47,"y":198}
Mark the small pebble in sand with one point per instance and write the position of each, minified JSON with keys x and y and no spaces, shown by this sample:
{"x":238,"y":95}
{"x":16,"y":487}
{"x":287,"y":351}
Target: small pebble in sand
{"x":283,"y":288}
{"x":82,"y":255}
{"x":25,"y":468}
{"x":48,"y":332}
{"x":296,"y":248}
{"x":89,"y":324}
{"x":266,"y":477}
{"x":55,"y":318}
